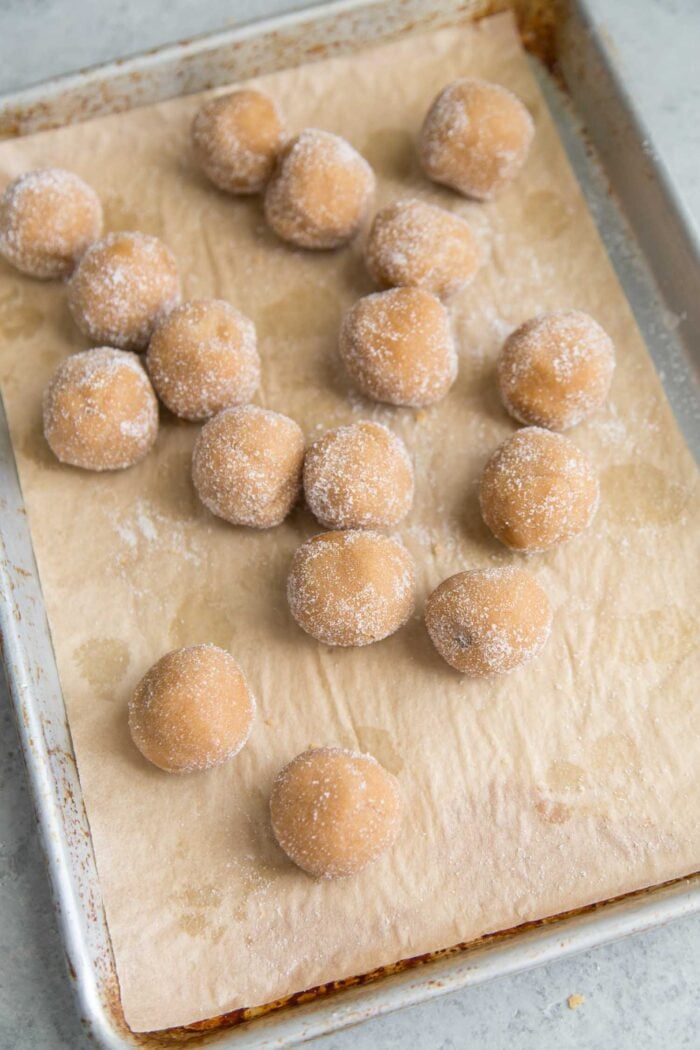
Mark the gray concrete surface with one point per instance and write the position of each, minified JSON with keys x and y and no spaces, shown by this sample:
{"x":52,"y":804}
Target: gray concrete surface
{"x":640,"y":993}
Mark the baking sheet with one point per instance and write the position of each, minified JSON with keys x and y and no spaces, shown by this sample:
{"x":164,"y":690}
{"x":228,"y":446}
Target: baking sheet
{"x":569,"y":781}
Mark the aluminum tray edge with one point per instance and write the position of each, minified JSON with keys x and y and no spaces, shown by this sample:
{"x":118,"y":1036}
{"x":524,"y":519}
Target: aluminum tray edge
{"x":33,"y":679}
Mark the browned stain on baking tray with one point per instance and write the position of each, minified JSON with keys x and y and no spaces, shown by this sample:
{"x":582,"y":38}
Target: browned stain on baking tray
{"x":537,"y":22}
{"x":200,"y":1030}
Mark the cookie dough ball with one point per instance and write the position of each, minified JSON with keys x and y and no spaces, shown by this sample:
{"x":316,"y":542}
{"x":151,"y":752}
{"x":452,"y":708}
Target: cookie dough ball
{"x":488,"y":622}
{"x":538,"y":490}
{"x":417,"y":244}
{"x":358,"y":477}
{"x":556,"y":369}
{"x":192,"y":710}
{"x":335,"y":811}
{"x":47,"y":220}
{"x":100,"y":412}
{"x":320,"y":192}
{"x":203,"y":358}
{"x":123,"y":286}
{"x":236,"y":139}
{"x":247,"y":466}
{"x":351,"y":588}
{"x":475,"y":138}
{"x":397,"y":346}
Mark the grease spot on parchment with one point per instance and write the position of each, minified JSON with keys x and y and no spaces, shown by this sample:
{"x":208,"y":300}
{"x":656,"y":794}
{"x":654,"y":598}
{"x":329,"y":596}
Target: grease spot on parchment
{"x":641,"y":494}
{"x":391,"y":152}
{"x":553,"y":812}
{"x":546,"y":214}
{"x":200,"y":896}
{"x":193,"y":923}
{"x":200,"y":901}
{"x":306,"y":311}
{"x":200,"y":618}
{"x":120,"y":215}
{"x":18,"y":319}
{"x":379,"y":743}
{"x":566,"y":776}
{"x":103,"y":662}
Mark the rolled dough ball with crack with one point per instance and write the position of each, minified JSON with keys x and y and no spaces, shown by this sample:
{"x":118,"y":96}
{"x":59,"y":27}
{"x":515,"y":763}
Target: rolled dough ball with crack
{"x":358,"y":477}
{"x":420,"y":245}
{"x":556,"y":369}
{"x":320,"y":192}
{"x":192,"y":710}
{"x":475,"y":137}
{"x":247,"y":465}
{"x":489,"y":621}
{"x":397,"y":346}
{"x":236,"y":139}
{"x":538,"y":490}
{"x":351,"y":588}
{"x":335,"y":811}
{"x":99,"y":409}
{"x":48,"y":218}
{"x":123,"y":286}
{"x":203,"y":358}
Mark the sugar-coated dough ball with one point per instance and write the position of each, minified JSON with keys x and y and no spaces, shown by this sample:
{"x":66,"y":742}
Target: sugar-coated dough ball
{"x":192,"y":710}
{"x":203,"y":358}
{"x":475,"y":137}
{"x":335,"y":811}
{"x":320,"y":192}
{"x":489,"y":621}
{"x":358,"y":477}
{"x":397,"y":346}
{"x":100,"y":412}
{"x":236,"y":138}
{"x":556,"y":369}
{"x":351,"y":588}
{"x":47,"y":220}
{"x":122,"y":287}
{"x":419,"y":244}
{"x":538,"y":490}
{"x":247,"y":466}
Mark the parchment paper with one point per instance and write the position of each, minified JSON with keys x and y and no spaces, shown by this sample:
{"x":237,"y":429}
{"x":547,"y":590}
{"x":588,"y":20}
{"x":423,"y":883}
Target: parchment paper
{"x":569,"y":781}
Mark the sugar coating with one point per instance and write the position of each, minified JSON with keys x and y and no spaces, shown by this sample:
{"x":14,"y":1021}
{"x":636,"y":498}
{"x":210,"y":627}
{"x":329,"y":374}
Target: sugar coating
{"x":320,"y":192}
{"x":247,"y":464}
{"x":236,"y":138}
{"x":203,"y":358}
{"x":397,"y":346}
{"x":123,"y":286}
{"x":48,"y":218}
{"x":335,"y":811}
{"x":192,"y":710}
{"x":489,"y":621}
{"x":358,"y":477}
{"x":418,"y":244}
{"x":351,"y":588}
{"x":538,"y":490}
{"x":99,"y":410}
{"x":475,"y":137}
{"x":556,"y":369}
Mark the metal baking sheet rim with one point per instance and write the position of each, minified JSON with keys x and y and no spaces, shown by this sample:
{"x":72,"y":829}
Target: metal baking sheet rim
{"x":27,"y":651}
